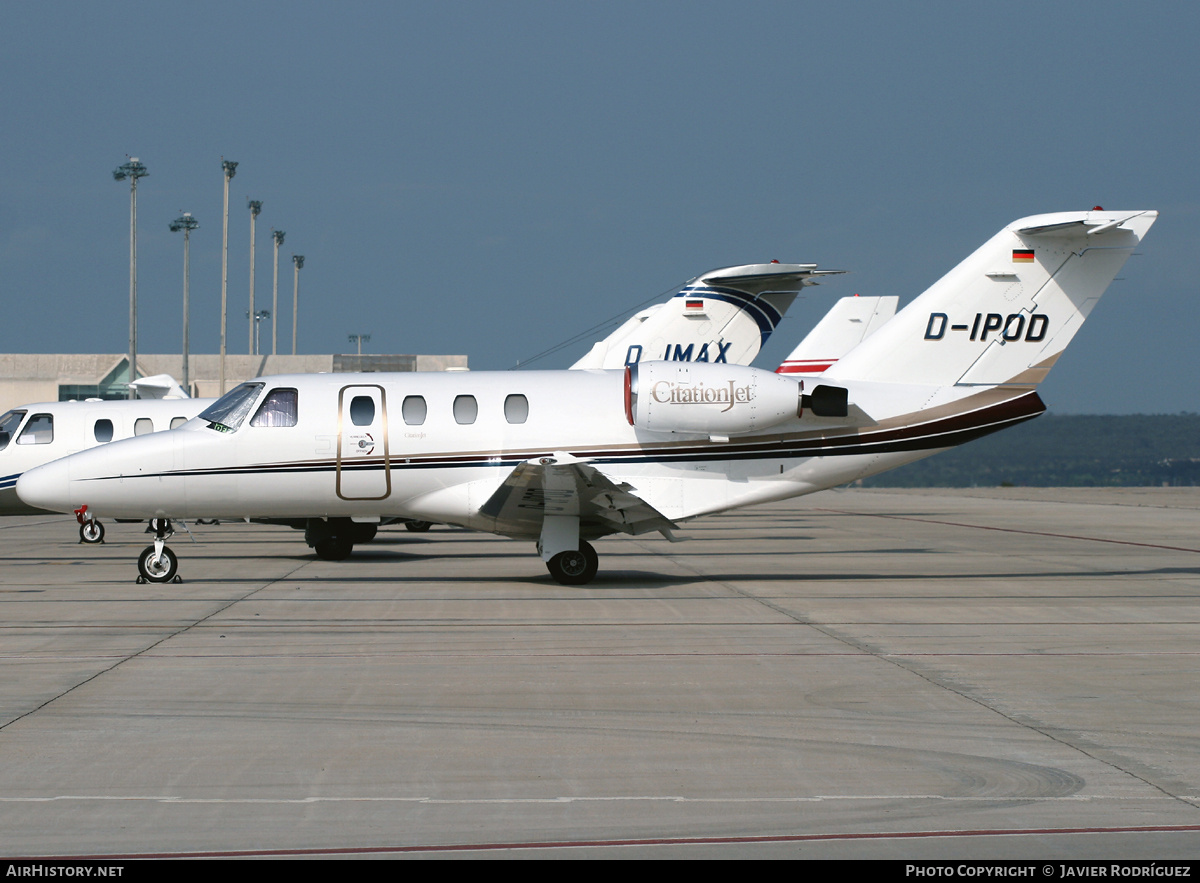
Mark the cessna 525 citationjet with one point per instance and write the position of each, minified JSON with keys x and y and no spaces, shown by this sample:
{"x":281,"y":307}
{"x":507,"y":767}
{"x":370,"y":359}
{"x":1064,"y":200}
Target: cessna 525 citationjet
{"x":729,"y":325}
{"x":565,"y":457}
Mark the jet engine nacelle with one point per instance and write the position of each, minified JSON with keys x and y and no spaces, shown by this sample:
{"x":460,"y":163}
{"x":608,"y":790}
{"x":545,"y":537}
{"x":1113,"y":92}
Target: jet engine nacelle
{"x":708,"y":398}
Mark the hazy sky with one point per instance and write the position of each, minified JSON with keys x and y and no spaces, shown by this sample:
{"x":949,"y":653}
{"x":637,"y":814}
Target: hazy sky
{"x":491,"y":178}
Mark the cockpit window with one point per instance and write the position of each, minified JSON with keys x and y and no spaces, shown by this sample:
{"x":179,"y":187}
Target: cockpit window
{"x":38,"y":431}
{"x":227,"y":413}
{"x":8,"y":426}
{"x":277,"y":409}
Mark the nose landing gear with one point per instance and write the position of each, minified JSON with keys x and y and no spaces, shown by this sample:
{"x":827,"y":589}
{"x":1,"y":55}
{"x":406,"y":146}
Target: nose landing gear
{"x":90,"y":530}
{"x":157,"y":563}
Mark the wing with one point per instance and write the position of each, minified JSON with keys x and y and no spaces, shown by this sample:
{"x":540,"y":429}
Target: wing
{"x":566,"y":485}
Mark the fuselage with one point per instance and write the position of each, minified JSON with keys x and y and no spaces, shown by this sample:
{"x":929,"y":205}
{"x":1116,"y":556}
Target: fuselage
{"x":34,"y":434}
{"x":436,"y":447}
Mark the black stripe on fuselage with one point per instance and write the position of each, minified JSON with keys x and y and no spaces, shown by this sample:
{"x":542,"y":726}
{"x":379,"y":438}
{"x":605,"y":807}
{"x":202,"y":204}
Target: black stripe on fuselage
{"x":943,"y":432}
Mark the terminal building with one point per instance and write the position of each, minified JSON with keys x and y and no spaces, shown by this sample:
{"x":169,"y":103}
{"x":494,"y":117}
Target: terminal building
{"x":43,"y":377}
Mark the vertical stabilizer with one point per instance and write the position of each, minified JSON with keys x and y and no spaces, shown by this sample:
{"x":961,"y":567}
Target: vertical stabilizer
{"x":722,"y":317}
{"x":1006,"y":313}
{"x":851,"y":321}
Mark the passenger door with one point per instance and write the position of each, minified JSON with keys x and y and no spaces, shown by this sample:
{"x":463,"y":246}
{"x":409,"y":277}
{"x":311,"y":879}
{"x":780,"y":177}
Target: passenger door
{"x":363,"y":461}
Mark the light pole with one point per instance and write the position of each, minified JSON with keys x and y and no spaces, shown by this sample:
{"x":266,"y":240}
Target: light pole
{"x":230,"y":169}
{"x":277,"y":235}
{"x":360,"y":339}
{"x":255,"y":206}
{"x":132,"y":170}
{"x":187,"y":224}
{"x":298,"y":260}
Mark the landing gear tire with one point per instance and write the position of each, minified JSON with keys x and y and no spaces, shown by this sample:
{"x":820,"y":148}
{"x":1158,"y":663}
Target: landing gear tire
{"x":91,"y":532}
{"x":575,"y":568}
{"x":336,"y":549}
{"x":418,"y":526}
{"x":333,"y":539}
{"x":158,"y":569}
{"x":363,"y":533}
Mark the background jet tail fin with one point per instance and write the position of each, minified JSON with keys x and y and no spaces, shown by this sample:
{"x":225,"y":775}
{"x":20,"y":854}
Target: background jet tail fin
{"x":851,"y":321}
{"x":725,"y":315}
{"x":159,"y":386}
{"x":1006,"y":313}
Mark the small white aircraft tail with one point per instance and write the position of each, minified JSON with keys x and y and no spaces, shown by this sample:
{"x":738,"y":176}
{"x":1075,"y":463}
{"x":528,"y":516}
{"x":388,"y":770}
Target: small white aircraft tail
{"x":851,"y":321}
{"x":1005,"y":314}
{"x":722,"y":317}
{"x":159,"y":386}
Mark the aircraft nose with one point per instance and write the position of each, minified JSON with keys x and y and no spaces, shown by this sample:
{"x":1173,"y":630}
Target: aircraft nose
{"x":47,"y":487}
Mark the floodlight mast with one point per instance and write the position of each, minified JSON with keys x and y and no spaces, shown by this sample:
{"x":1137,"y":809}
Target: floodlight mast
{"x":298,"y":260}
{"x":277,"y":235}
{"x":255,"y":206}
{"x":230,"y":169}
{"x":132,"y":170}
{"x":258,"y":316}
{"x":187,"y":224}
{"x":360,"y":339}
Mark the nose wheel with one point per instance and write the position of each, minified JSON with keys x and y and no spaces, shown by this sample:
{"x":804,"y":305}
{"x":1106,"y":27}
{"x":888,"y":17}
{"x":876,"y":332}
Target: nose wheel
{"x":91,"y":532}
{"x":157,"y":563}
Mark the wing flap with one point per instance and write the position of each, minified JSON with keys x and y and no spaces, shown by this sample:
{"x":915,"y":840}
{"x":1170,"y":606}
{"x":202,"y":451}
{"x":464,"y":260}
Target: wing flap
{"x":566,"y":485}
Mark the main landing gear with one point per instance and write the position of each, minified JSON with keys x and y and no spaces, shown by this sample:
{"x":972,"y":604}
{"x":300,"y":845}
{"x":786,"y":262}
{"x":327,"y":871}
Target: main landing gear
{"x":575,"y":567}
{"x":157,"y":563}
{"x":333,"y":539}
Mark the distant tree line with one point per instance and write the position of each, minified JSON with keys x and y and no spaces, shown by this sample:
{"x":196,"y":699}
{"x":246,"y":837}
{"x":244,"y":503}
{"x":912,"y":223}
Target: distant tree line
{"x":1067,"y":451}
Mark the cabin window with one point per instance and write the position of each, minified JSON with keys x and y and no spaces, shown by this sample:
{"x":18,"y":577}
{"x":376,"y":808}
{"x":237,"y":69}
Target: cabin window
{"x":8,"y":426}
{"x":103,"y":431}
{"x":227,"y":413}
{"x":414,"y":410}
{"x":466,"y":409}
{"x":38,"y":431}
{"x":277,"y":409}
{"x":143,"y":426}
{"x":362,"y":410}
{"x":177,"y":422}
{"x":516,"y":409}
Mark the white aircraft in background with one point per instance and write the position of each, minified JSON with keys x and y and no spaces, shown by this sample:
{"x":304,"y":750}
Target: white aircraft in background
{"x":564,"y":457}
{"x":38,"y":433}
{"x":723,"y":316}
{"x":850,"y":321}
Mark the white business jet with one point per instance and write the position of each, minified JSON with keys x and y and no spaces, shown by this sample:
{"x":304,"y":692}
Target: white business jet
{"x":33,"y":434}
{"x":565,"y":457}
{"x":723,"y":316}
